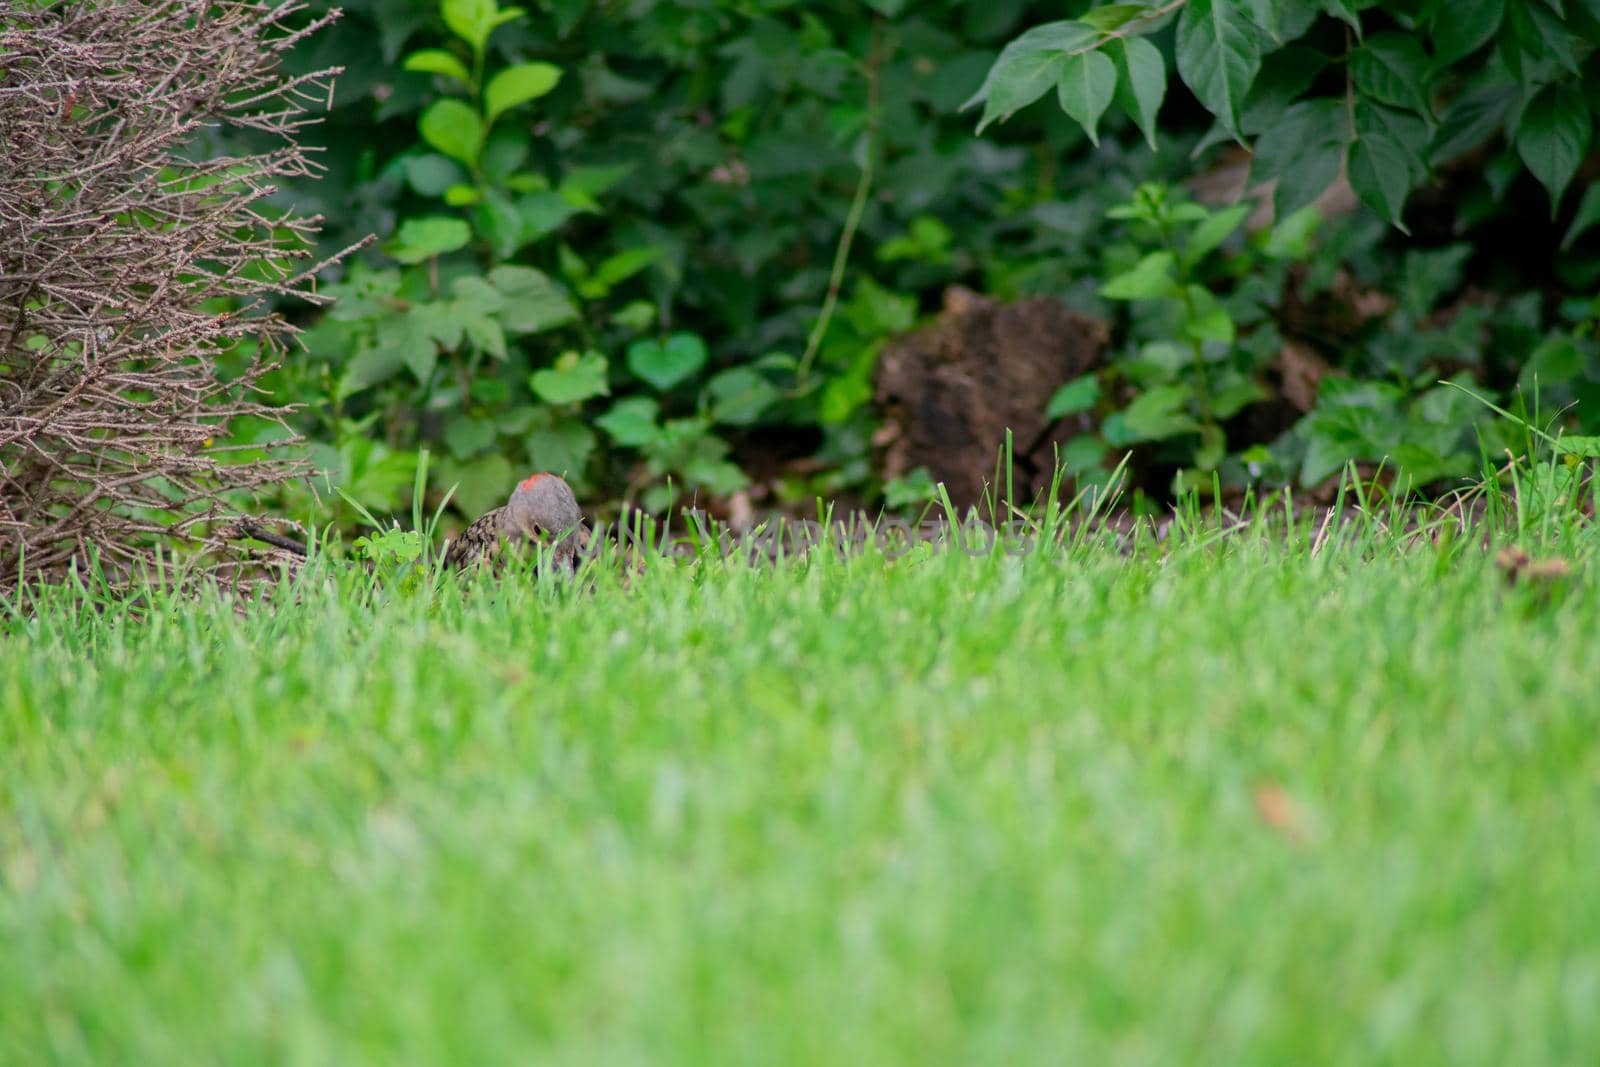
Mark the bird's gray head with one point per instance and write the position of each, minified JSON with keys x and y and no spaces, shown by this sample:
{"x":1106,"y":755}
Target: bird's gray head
{"x":543,"y":504}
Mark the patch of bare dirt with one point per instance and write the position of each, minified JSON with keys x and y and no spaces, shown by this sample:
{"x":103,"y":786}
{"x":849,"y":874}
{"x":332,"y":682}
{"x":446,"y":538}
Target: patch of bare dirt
{"x":949,"y":391}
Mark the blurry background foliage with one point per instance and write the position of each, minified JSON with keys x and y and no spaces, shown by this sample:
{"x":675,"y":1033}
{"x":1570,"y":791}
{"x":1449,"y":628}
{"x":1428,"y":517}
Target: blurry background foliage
{"x":609,"y":227}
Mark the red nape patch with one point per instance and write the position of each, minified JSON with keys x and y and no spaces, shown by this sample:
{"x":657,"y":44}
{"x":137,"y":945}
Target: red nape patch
{"x":531,"y":479}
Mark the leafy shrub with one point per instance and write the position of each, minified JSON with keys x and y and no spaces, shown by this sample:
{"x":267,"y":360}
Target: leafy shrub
{"x":1393,"y":96}
{"x":681,"y":238}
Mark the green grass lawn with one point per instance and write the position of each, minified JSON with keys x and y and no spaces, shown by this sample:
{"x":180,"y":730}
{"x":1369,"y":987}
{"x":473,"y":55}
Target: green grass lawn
{"x":1213,"y":803}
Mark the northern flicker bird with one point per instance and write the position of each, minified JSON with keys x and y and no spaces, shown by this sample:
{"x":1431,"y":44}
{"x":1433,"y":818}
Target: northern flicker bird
{"x":542,"y":510}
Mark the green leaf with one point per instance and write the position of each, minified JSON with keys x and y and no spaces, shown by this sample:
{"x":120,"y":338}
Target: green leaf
{"x":461,"y":195}
{"x":1461,"y":27}
{"x":1554,"y":136}
{"x":438,"y":61}
{"x":1219,"y":53}
{"x":1471,"y":119}
{"x":1302,"y":151}
{"x":664,"y":365}
{"x":1290,"y":238}
{"x":1231,"y":399}
{"x":1085,"y":87}
{"x":1150,"y":278}
{"x":542,"y":214}
{"x":561,"y":446}
{"x":418,"y":349}
{"x":625,"y":264}
{"x":1142,"y":84}
{"x":479,"y":485}
{"x":1392,"y":68}
{"x":424,"y":238}
{"x":1027,"y":67}
{"x":517,"y":85}
{"x":739,"y":396}
{"x":466,"y":436}
{"x":368,"y":368}
{"x":1213,"y":231}
{"x":1205,"y":319}
{"x":454,"y":129}
{"x":1380,"y":175}
{"x":632,"y":422}
{"x":1574,"y":445}
{"x":497,"y":222}
{"x":1080,"y":394}
{"x":533,"y":302}
{"x":474,"y":20}
{"x":575,"y":378}
{"x":432,"y":175}
{"x":1587,"y":215}
{"x":1017,"y":82}
{"x":1160,"y":413}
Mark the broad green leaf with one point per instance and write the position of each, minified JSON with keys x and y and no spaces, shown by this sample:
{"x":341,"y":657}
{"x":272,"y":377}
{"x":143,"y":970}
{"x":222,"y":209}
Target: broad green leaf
{"x":418,"y":349}
{"x":1574,"y":445}
{"x":487,"y":335}
{"x":1085,"y":87}
{"x":739,"y":396}
{"x":1204,"y":318}
{"x":454,"y":129}
{"x":1150,"y":278}
{"x":462,"y":195}
{"x":626,"y":264}
{"x":1231,"y":399}
{"x":533,"y":302}
{"x":466,"y":435}
{"x":480,"y":484}
{"x":469,"y":20}
{"x":1587,"y":215}
{"x":1017,"y":82}
{"x":575,"y":378}
{"x":1461,"y":27}
{"x":1027,"y":67}
{"x":1406,"y":129}
{"x":517,"y":85}
{"x":1285,"y":75}
{"x":1392,"y":69}
{"x":498,"y":222}
{"x":1160,"y":413}
{"x":665,"y":364}
{"x":424,"y":238}
{"x":542,"y":213}
{"x":1554,"y":136}
{"x":1531,"y":37}
{"x":368,"y":368}
{"x":1213,"y":231}
{"x":433,"y":175}
{"x":1080,"y":394}
{"x":1380,"y":175}
{"x":1471,"y":119}
{"x":631,"y":422}
{"x":1302,"y":151}
{"x":474,"y":20}
{"x":1219,"y":53}
{"x":1142,"y":82}
{"x":438,"y":61}
{"x":438,"y":320}
{"x":561,"y":445}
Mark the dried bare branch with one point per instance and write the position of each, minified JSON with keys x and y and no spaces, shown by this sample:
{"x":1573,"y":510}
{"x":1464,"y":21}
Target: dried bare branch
{"x":116,"y":243}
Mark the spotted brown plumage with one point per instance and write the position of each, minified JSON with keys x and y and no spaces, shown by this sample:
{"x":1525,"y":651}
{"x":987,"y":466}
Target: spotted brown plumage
{"x":541,"y":510}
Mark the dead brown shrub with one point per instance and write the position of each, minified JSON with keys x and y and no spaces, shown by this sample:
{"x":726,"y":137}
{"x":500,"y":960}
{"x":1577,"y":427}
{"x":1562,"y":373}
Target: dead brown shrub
{"x":122,"y":231}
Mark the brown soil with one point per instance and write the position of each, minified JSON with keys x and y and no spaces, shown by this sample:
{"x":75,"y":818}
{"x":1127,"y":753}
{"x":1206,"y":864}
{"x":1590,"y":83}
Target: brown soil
{"x":949,"y":391}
